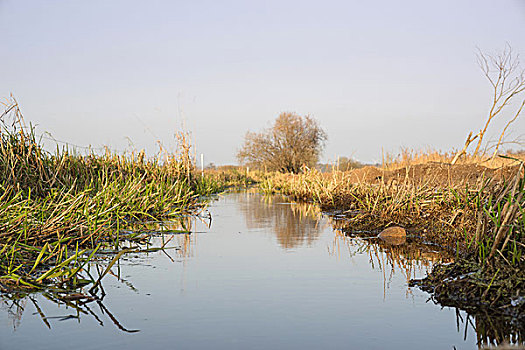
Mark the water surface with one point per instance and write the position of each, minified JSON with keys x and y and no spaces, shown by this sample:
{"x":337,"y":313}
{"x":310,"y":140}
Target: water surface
{"x":266,"y":274}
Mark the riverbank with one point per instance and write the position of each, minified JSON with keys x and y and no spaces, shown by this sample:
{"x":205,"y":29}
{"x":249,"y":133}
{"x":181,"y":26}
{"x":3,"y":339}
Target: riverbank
{"x":59,"y":210}
{"x":475,"y":212}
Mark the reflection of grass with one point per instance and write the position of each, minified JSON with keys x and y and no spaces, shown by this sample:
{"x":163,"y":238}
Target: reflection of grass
{"x":410,"y":259}
{"x":492,"y":332}
{"x":57,"y":211}
{"x":415,"y":258}
{"x":302,"y":209}
{"x":80,"y":305}
{"x":173,"y":239}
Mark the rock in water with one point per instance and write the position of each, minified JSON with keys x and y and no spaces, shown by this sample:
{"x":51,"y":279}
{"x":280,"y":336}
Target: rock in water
{"x":393,"y":235}
{"x":394,"y":231}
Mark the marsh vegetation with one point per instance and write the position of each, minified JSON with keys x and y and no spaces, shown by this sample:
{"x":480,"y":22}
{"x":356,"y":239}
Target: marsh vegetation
{"x":261,"y":256}
{"x":59,"y":211}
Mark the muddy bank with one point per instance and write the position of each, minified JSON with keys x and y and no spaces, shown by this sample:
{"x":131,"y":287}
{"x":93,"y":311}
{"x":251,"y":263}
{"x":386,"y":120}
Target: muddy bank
{"x":492,"y":294}
{"x":478,"y":288}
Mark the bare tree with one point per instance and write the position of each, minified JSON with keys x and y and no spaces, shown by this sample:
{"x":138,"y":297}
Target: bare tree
{"x":507,"y":79}
{"x":293,"y":141}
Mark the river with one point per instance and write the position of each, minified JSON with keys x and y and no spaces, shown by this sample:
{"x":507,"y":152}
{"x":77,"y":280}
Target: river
{"x":258,"y":273}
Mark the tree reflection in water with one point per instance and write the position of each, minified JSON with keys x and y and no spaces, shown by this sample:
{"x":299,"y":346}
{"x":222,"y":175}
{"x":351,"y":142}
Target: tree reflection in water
{"x":293,"y":224}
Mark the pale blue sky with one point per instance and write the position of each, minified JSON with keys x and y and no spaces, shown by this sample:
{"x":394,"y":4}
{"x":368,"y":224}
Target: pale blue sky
{"x":376,"y":74}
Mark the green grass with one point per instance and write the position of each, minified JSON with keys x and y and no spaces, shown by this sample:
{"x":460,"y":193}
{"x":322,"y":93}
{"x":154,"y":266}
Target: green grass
{"x":58,"y":209}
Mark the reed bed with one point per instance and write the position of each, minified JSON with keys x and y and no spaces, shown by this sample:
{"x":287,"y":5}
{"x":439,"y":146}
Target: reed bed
{"x":59,"y":210}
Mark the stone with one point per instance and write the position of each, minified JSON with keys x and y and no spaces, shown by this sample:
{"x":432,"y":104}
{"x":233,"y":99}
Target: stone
{"x":394,"y":235}
{"x":394,"y":231}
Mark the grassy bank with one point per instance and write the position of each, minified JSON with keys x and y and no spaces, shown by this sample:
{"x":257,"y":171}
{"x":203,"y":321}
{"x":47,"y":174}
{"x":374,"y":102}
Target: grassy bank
{"x":474,"y":211}
{"x":59,"y":210}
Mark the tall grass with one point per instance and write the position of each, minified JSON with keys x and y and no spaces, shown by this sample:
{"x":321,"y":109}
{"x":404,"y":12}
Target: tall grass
{"x":484,"y":215}
{"x":58,"y":209}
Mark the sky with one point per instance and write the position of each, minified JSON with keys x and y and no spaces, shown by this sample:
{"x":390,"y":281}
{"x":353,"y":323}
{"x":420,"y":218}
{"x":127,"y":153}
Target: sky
{"x":379,"y":76}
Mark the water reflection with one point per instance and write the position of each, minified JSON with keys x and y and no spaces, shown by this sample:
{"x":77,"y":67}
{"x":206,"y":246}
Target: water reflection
{"x":338,"y":276}
{"x":294,"y":224}
{"x":178,"y":233}
{"x":491,"y":331}
{"x":174,"y":239}
{"x":75,"y":306}
{"x":297,"y":224}
{"x":411,"y":259}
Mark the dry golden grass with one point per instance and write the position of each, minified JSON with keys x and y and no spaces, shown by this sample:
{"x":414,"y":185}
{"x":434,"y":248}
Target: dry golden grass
{"x":408,"y":157}
{"x":441,"y":202}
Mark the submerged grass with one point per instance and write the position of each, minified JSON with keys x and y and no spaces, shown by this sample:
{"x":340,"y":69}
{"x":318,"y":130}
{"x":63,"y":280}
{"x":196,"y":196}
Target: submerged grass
{"x":58,"y":210}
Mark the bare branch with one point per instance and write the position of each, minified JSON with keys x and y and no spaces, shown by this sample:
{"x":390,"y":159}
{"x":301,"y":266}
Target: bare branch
{"x":500,"y":140}
{"x":507,"y":80}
